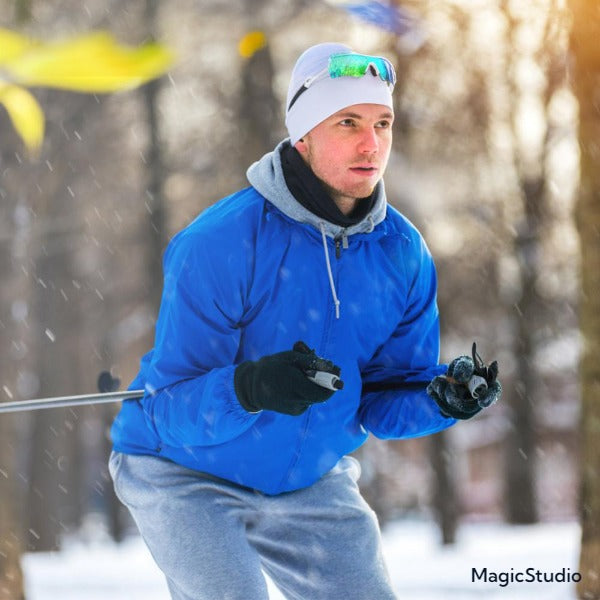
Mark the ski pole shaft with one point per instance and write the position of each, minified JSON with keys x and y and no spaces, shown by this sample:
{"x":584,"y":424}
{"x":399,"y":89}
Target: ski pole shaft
{"x":62,"y":401}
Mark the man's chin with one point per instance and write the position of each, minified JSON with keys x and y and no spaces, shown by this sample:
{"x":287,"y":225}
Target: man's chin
{"x":363,"y":191}
{"x":355,"y":192}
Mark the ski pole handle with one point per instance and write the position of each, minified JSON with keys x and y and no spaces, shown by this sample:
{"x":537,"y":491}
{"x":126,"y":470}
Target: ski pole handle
{"x":319,"y":373}
{"x":477,"y":386}
{"x":325,"y":379}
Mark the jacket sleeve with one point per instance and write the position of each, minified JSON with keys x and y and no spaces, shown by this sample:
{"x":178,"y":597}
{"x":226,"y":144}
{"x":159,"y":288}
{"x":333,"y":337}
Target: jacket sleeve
{"x":394,"y":403}
{"x":188,"y":376}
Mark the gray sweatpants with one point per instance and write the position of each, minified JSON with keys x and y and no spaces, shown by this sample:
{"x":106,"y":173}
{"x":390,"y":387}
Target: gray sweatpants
{"x":212,"y":538}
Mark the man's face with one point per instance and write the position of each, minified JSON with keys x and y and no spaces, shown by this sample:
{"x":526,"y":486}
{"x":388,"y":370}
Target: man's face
{"x":349,"y":151}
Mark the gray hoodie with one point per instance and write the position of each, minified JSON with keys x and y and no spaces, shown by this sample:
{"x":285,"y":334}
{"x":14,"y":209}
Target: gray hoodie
{"x":266,"y":175}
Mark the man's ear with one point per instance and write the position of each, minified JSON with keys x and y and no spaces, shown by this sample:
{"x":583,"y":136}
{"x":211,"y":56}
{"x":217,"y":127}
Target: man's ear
{"x":301,"y":146}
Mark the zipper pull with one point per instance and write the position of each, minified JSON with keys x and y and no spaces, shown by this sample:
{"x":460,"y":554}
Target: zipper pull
{"x":338,"y":246}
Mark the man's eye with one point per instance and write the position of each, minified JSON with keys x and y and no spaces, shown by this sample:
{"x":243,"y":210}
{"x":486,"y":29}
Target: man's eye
{"x":383,"y":124}
{"x":347,"y":122}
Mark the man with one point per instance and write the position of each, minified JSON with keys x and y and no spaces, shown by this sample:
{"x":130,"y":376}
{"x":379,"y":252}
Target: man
{"x":236,"y":458}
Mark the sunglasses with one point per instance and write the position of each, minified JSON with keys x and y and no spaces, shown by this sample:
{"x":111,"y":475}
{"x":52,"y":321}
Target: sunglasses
{"x":351,"y":65}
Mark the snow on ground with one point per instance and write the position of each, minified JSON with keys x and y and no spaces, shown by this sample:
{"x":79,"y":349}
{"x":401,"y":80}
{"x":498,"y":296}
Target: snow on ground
{"x":420,"y":568}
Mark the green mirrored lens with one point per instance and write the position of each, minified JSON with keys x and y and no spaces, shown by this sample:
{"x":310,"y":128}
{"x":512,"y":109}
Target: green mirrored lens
{"x":347,"y":65}
{"x":356,"y":65}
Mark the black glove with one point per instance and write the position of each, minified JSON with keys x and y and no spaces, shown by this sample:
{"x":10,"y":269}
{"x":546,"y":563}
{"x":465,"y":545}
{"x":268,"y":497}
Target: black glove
{"x":467,"y":388}
{"x":279,"y":382}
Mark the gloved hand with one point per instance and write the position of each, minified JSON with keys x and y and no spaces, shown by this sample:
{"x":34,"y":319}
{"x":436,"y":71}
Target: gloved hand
{"x":468,"y":386}
{"x":279,"y":381}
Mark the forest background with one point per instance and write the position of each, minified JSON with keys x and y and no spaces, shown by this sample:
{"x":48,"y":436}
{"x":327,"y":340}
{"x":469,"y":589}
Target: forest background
{"x":492,"y":161}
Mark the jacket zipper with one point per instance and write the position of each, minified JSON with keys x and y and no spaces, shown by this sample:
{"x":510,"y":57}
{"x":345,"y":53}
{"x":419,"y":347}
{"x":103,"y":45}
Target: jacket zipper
{"x":340,"y":242}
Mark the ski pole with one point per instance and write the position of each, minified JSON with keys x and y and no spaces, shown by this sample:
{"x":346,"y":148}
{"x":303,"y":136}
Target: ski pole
{"x":62,"y":401}
{"x":107,"y":388}
{"x":107,"y":385}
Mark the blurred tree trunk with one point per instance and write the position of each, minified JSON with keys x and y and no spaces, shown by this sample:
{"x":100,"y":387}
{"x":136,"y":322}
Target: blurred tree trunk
{"x":155,"y":201}
{"x":22,"y":11}
{"x":54,"y":501}
{"x":585,"y":51}
{"x":445,"y":501}
{"x":531,"y":314}
{"x":11,"y":544}
{"x":11,"y":577}
{"x":520,"y":498}
{"x":519,"y":464}
{"x":13,"y":314}
{"x":48,"y":482}
{"x":14,"y":300}
{"x":259,"y":115}
{"x":52,"y":495}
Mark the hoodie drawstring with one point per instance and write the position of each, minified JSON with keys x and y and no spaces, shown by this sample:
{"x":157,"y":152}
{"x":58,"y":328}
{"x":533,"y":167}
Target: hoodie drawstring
{"x":336,"y":302}
{"x":371,"y":224}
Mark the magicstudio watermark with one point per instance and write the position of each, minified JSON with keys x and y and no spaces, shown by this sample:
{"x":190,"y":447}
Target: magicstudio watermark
{"x":529,"y":575}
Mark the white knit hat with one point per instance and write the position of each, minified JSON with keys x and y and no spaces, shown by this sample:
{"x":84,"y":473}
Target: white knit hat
{"x":326,"y":96}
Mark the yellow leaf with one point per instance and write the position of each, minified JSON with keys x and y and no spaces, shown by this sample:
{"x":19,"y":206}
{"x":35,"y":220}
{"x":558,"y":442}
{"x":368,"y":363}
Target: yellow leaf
{"x":91,"y":63}
{"x":252,"y":42}
{"x":12,"y":44}
{"x":25,"y":113}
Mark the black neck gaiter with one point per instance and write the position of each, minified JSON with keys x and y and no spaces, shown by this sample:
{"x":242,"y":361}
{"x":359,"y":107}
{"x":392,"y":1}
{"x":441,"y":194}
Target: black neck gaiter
{"x":308,"y":190}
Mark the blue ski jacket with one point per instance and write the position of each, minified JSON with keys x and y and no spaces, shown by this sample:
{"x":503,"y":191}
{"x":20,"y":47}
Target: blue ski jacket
{"x":252,"y":275}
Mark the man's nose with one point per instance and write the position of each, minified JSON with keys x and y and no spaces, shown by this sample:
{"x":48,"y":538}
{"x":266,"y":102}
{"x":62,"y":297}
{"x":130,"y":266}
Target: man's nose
{"x":368,"y":141}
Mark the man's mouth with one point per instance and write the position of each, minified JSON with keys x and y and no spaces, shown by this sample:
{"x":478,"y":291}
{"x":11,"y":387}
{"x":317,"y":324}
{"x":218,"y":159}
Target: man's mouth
{"x":364,"y":170}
